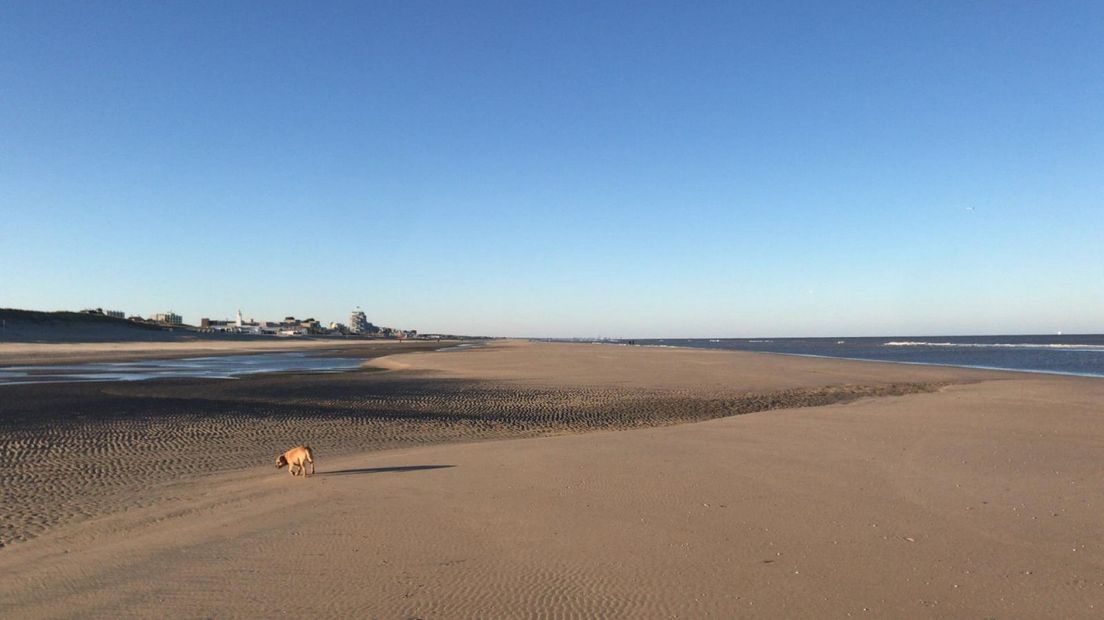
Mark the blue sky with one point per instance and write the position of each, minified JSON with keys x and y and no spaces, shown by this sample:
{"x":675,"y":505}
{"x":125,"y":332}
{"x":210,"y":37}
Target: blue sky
{"x":560,"y":169}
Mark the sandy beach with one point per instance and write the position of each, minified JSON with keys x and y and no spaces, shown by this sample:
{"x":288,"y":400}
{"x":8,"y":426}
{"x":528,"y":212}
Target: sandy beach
{"x":556,"y":480}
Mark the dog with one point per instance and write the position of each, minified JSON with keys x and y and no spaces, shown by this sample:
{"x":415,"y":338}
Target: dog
{"x":296,"y":460}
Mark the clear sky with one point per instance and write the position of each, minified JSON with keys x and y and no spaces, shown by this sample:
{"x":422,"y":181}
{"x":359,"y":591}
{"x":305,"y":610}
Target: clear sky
{"x":626,"y":169}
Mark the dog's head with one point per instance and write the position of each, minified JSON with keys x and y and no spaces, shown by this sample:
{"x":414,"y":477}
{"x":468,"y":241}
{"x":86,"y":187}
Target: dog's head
{"x":281,"y":461}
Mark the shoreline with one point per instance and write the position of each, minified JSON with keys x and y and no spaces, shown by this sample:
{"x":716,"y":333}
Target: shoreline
{"x":860,"y":359}
{"x":41,"y":354}
{"x":908,"y":363}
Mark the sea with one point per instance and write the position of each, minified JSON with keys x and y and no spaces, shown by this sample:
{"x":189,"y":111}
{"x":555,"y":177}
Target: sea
{"x":1068,"y":354}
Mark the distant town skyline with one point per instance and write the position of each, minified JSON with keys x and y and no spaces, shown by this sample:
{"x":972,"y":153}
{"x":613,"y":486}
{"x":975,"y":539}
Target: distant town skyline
{"x":629,"y":170}
{"x":357,"y":322}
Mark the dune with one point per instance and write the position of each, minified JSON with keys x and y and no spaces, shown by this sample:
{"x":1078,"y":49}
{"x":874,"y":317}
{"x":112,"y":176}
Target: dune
{"x":619,"y":484}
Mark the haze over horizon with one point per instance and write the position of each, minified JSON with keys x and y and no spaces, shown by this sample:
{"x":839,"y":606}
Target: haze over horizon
{"x":627,"y":170}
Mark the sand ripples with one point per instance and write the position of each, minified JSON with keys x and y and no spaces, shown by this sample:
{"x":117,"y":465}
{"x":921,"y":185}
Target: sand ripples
{"x":73,"y":452}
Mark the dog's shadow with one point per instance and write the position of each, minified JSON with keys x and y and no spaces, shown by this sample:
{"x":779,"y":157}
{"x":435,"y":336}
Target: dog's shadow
{"x":380,"y":470}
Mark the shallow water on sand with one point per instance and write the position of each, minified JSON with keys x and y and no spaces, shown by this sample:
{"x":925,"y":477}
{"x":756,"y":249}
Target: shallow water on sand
{"x":220,"y":367}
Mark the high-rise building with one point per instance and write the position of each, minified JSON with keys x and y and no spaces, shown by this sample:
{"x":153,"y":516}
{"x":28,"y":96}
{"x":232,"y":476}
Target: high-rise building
{"x":358,"y":322}
{"x":168,"y":318}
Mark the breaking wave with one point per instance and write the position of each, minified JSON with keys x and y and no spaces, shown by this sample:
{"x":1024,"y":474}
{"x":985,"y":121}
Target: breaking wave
{"x":999,"y":345}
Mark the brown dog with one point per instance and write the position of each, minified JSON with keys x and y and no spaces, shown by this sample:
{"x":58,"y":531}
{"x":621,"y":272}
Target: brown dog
{"x":296,"y":460}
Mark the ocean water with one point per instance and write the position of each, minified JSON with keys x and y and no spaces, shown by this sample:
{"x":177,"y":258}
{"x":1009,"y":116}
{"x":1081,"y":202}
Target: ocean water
{"x":1057,"y":354}
{"x":220,"y":367}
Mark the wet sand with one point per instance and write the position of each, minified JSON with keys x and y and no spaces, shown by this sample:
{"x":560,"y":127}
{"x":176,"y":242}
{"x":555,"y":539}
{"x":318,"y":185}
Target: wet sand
{"x":848,"y":488}
{"x":27,"y":353}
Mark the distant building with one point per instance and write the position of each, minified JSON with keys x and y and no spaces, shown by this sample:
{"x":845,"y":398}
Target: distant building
{"x":238,"y":326}
{"x":168,"y":318}
{"x":358,"y":322}
{"x":115,"y":314}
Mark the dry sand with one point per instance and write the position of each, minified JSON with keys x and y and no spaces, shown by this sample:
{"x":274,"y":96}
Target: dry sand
{"x":946,"y":493}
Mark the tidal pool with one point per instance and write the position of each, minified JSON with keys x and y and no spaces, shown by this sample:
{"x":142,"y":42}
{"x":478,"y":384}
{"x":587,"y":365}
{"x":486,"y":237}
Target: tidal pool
{"x":219,"y":367}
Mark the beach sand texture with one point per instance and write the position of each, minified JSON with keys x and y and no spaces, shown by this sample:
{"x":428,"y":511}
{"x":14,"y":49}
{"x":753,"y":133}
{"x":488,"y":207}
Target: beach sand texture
{"x":858,"y":488}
